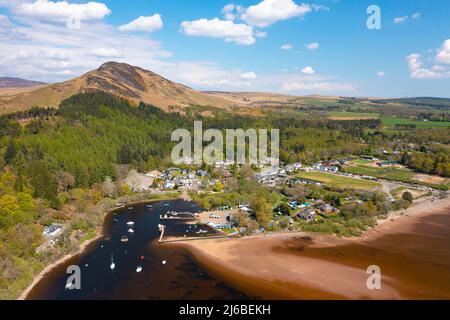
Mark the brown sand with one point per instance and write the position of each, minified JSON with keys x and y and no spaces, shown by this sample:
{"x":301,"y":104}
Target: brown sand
{"x":412,"y":250}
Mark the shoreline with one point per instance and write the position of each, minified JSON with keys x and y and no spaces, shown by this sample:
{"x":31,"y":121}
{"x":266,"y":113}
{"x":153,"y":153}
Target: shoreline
{"x":218,"y":267}
{"x":50,"y":267}
{"x":286,"y":266}
{"x":82,"y":247}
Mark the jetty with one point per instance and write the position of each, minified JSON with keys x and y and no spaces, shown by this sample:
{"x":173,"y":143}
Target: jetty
{"x":161,"y":228}
{"x":173,"y":215}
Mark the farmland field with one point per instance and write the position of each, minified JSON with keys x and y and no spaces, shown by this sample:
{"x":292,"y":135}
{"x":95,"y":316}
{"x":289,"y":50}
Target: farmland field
{"x":338,"y":181}
{"x":390,"y":173}
{"x":396,"y":174}
{"x":352,"y":115}
{"x":392,"y":121}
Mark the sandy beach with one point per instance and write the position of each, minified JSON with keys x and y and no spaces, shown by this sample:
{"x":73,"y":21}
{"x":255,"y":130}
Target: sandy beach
{"x":411,"y":247}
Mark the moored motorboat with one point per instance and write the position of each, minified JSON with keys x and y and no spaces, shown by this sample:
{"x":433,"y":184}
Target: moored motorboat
{"x":139,"y":269}
{"x":124,"y":239}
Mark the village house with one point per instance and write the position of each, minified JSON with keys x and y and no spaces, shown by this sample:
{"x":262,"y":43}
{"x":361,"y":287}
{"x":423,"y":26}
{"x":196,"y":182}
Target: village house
{"x":388,"y":163}
{"x":52,"y":231}
{"x":306,"y":214}
{"x":327,"y":166}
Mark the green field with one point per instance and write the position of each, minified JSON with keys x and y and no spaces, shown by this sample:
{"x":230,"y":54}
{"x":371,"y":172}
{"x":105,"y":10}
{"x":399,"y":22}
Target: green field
{"x":392,"y":121}
{"x":390,"y":173}
{"x":338,"y":181}
{"x":362,"y":161}
{"x":353,"y":115}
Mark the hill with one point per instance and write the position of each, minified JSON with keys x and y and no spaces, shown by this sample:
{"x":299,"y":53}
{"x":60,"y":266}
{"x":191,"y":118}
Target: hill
{"x":8,"y":82}
{"x":125,"y":81}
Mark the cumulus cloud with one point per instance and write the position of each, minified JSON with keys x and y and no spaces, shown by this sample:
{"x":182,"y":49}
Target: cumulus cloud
{"x":308,"y":70}
{"x":144,"y":24}
{"x":381,"y":74}
{"x":268,"y":12}
{"x":437,"y":71}
{"x":416,"y":15}
{"x":443,"y":54}
{"x":238,"y":33}
{"x":417,"y":71}
{"x":326,"y":87}
{"x":248,"y":76}
{"x":232,"y":11}
{"x":62,"y":10}
{"x":312,"y":46}
{"x":286,"y":46}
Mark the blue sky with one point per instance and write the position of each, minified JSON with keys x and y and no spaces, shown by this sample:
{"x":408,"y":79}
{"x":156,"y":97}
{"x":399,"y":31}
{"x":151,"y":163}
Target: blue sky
{"x":287,"y":46}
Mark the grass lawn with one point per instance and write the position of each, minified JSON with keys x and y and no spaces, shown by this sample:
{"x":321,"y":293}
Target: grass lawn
{"x":361,"y":161}
{"x":390,"y":173}
{"x":392,"y":121}
{"x":338,"y":181}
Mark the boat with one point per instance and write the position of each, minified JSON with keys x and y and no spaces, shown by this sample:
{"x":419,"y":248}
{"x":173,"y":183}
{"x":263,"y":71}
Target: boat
{"x":124,"y":239}
{"x":112,"y":265}
{"x":130,"y":223}
{"x":202,"y":231}
{"x":149,"y":206}
{"x":164,"y":262}
{"x":130,"y":230}
{"x":139,"y":269}
{"x":130,"y":208}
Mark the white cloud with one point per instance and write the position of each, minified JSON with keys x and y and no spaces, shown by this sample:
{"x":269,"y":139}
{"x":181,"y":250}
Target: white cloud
{"x":260,"y":34}
{"x":286,"y":46}
{"x":381,"y":74}
{"x":439,"y":68}
{"x":106,"y":53}
{"x":417,"y":71}
{"x":399,"y":20}
{"x":268,"y":12}
{"x":416,"y":15}
{"x":443,"y":54}
{"x":144,"y":24}
{"x":248,"y":76}
{"x":326,"y":87}
{"x":232,"y":32}
{"x":436,"y":71}
{"x":49,"y":52}
{"x":308,"y":70}
{"x":62,"y":10}
{"x":312,"y":46}
{"x":228,"y":11}
{"x":8,"y":31}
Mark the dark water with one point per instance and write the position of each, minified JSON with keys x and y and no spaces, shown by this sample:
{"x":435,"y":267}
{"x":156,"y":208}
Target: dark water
{"x":180,"y":278}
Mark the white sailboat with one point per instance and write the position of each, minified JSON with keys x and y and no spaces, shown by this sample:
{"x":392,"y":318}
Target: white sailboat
{"x":139,"y":269}
{"x":112,"y":265}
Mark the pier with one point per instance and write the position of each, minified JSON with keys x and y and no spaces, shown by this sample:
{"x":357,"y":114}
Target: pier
{"x":172,"y":215}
